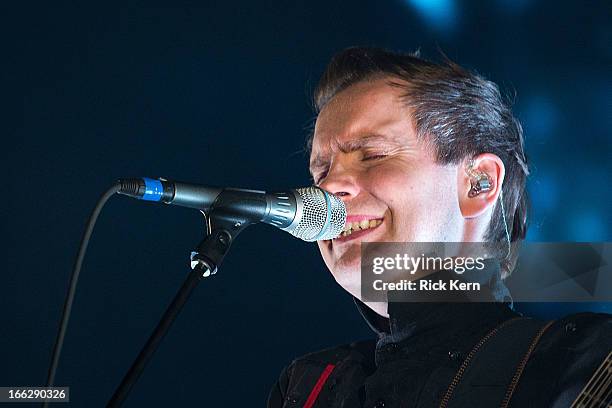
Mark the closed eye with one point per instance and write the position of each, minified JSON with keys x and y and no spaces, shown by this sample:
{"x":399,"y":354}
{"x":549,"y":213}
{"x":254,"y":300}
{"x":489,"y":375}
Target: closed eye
{"x":373,"y":157}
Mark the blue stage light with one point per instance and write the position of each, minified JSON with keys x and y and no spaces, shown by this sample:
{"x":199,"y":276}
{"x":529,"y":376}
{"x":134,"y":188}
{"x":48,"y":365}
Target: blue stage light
{"x":541,"y":117}
{"x":439,"y":14}
{"x":587,"y":226}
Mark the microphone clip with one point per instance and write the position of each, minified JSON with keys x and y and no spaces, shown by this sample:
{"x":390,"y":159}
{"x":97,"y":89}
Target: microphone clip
{"x":223,"y":225}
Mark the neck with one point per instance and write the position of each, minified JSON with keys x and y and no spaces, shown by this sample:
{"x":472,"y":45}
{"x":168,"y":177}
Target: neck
{"x":494,"y":290}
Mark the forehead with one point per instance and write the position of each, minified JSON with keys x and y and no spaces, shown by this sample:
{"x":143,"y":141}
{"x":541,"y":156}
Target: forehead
{"x":367,"y":112}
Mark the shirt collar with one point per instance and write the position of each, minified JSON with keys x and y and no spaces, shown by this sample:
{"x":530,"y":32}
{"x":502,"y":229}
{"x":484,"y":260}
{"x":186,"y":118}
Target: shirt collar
{"x":407,"y":318}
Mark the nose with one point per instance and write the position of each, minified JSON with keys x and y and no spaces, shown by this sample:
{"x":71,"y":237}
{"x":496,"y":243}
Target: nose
{"x":341,"y":181}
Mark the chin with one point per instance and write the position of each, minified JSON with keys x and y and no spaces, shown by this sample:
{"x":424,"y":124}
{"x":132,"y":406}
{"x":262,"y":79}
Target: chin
{"x":351,"y":282}
{"x":347,"y":274}
{"x":344,"y":263}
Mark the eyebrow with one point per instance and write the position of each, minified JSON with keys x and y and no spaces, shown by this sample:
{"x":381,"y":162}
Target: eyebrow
{"x":357,"y":144}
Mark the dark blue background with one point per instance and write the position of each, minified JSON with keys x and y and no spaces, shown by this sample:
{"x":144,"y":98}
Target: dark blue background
{"x":217,"y":93}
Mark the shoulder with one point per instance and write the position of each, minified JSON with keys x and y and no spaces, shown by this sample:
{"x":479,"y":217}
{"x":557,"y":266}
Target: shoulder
{"x":568,"y":355}
{"x":581,"y":332}
{"x":359,"y":352}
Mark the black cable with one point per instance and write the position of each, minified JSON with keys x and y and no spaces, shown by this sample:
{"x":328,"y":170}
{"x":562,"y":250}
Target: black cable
{"x":59,"y":340}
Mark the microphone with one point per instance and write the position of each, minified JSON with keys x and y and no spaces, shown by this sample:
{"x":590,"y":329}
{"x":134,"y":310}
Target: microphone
{"x":308,"y":213}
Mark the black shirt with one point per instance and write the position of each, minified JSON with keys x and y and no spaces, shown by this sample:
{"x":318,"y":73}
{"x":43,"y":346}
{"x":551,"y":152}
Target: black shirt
{"x":419,"y":349}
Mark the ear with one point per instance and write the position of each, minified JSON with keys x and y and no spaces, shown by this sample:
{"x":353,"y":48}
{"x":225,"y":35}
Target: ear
{"x":476,"y":205}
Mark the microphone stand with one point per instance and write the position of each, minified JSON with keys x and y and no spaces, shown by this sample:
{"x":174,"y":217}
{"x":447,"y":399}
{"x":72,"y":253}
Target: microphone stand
{"x":222,"y":229}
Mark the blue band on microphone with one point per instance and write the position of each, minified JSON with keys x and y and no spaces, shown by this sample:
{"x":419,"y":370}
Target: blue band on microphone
{"x":153,"y":190}
{"x":327,"y":216}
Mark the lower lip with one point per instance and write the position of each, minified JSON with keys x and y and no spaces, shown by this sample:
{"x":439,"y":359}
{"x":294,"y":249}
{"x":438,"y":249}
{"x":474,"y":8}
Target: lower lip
{"x":355,"y":235}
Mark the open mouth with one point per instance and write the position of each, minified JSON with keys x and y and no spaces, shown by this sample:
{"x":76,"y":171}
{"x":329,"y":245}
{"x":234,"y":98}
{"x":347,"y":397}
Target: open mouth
{"x":358,"y":226}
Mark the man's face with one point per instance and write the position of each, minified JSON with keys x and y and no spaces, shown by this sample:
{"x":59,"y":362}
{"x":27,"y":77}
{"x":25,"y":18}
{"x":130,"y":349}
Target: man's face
{"x":366,"y":151}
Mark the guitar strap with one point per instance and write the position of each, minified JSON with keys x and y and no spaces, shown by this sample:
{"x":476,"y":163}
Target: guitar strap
{"x":491,"y":371}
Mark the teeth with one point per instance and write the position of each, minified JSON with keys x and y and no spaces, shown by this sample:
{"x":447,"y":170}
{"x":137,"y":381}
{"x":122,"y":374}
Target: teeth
{"x":358,"y":226}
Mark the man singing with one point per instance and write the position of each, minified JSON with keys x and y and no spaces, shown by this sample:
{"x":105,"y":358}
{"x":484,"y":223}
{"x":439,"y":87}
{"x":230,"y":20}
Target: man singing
{"x":430,"y":152}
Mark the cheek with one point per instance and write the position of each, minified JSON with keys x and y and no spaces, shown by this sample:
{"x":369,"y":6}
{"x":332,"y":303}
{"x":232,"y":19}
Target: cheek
{"x":394,"y":185}
{"x":419,"y":200}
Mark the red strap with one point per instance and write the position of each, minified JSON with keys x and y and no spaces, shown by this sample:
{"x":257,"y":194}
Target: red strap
{"x":319,"y":386}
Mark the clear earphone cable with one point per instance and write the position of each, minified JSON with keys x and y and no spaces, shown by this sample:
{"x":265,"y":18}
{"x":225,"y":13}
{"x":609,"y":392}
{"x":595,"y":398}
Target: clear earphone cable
{"x":503,"y":211}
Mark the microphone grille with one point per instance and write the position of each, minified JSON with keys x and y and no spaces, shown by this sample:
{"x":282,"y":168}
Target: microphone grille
{"x":322,"y":215}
